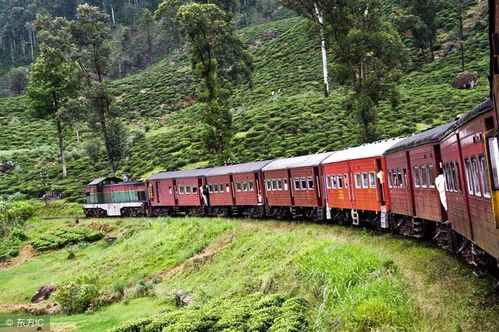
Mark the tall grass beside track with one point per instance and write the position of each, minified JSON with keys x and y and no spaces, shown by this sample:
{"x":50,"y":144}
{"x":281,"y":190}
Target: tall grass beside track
{"x":344,"y":278}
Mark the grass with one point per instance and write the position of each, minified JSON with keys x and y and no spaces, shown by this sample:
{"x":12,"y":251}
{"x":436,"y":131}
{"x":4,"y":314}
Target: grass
{"x":346,"y":278}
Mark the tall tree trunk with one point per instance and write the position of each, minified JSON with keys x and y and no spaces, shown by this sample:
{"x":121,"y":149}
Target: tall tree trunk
{"x":461,"y":34}
{"x":325,"y":70}
{"x":61,"y":148}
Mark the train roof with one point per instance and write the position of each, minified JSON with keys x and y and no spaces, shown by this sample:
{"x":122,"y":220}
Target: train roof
{"x":297,"y":162}
{"x":478,"y":110}
{"x":190,"y":173}
{"x":100,"y":180}
{"x":368,"y":150}
{"x":239,"y":168}
{"x":433,"y":135}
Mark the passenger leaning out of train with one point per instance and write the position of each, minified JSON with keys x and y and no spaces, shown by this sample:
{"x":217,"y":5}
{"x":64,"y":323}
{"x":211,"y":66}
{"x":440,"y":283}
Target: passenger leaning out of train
{"x":440,"y":184}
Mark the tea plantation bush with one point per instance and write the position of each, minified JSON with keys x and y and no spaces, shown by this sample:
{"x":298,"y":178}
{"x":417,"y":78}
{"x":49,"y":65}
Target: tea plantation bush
{"x":78,"y":296}
{"x":9,"y":247}
{"x":14,"y":215}
{"x":256,"y":312}
{"x":64,"y":236}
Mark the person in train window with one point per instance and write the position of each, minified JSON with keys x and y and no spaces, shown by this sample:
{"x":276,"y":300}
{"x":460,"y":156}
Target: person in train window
{"x":440,"y":184}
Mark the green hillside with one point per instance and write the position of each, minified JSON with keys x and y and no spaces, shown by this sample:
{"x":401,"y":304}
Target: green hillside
{"x":284,"y":114}
{"x":248,"y":275}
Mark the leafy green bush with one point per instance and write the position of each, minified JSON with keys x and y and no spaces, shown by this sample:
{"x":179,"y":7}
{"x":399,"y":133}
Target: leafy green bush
{"x":78,"y":296}
{"x":64,"y":236}
{"x":255,"y":312}
{"x":14,"y":215}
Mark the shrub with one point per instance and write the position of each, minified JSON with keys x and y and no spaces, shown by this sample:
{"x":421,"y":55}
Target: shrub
{"x":118,"y":286}
{"x":75,"y":297}
{"x":14,"y":215}
{"x":64,"y":236}
{"x":250,"y":313}
{"x":143,"y":288}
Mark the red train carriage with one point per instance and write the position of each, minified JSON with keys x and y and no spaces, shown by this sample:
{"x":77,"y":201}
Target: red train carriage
{"x":468,"y":190}
{"x":237,"y":189}
{"x":293,"y":189}
{"x":413,"y":166}
{"x":354,"y":184}
{"x":177,"y":191}
{"x":113,"y":198}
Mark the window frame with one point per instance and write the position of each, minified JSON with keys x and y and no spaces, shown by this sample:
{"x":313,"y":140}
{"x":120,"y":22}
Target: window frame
{"x":303,"y":180}
{"x":365,"y":180}
{"x":417,"y":176}
{"x":372,"y":177}
{"x":358,"y":181}
{"x":476,"y":177}
{"x":297,"y":183}
{"x":431,"y":176}
{"x":339,"y":180}
{"x":482,"y":163}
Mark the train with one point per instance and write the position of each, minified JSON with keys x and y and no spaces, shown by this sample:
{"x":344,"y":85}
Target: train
{"x":437,"y":184}
{"x":441,"y":184}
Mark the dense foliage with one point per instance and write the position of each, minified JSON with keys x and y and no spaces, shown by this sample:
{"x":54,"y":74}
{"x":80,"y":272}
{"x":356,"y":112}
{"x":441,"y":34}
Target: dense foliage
{"x":63,"y":236}
{"x":251,"y":313}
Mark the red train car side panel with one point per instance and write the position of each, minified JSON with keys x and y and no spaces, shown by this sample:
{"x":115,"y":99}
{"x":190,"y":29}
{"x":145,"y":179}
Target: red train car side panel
{"x":476,"y":178}
{"x":278,"y":188}
{"x":305,"y":187}
{"x":401,"y":201}
{"x":247,"y":188}
{"x":221,"y":188}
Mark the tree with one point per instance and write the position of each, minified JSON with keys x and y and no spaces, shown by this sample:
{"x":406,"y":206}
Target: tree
{"x":118,"y":143}
{"x":145,"y":22}
{"x":53,"y":77}
{"x":92,"y":33}
{"x":369,"y":56}
{"x":427,"y":11}
{"x":18,"y":80}
{"x":218,"y":58}
{"x":313,"y":10}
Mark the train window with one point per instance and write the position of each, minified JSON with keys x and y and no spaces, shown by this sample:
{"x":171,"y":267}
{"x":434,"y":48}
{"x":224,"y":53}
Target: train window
{"x":227,"y":187}
{"x":484,"y":177}
{"x":297,"y":183}
{"x":469,"y":179}
{"x":303,"y":183}
{"x":417,"y":177}
{"x":251,"y":186}
{"x":245,"y":186}
{"x":493,"y":145}
{"x":455,"y":184}
{"x":365,"y":180}
{"x":274,"y":184}
{"x":181,"y":189}
{"x":210,"y":187}
{"x":345,"y":180}
{"x":194,"y":190}
{"x":328,"y":182}
{"x":334,"y":182}
{"x":424,"y":179}
{"x":431,"y":176}
{"x":458,"y":178}
{"x":476,"y":177}
{"x":170,"y":190}
{"x":285,"y":182}
{"x":187,"y":189}
{"x":400,"y":180}
{"x":215,"y":187}
{"x":279,"y":184}
{"x":340,"y":182}
{"x":451,"y":178}
{"x":268,"y":184}
{"x":239,"y":186}
{"x":390,"y":182}
{"x":372,"y":179}
{"x":405,"y":184}
{"x":394,"y":178}
{"x":310,"y":180}
{"x":357,"y":181}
